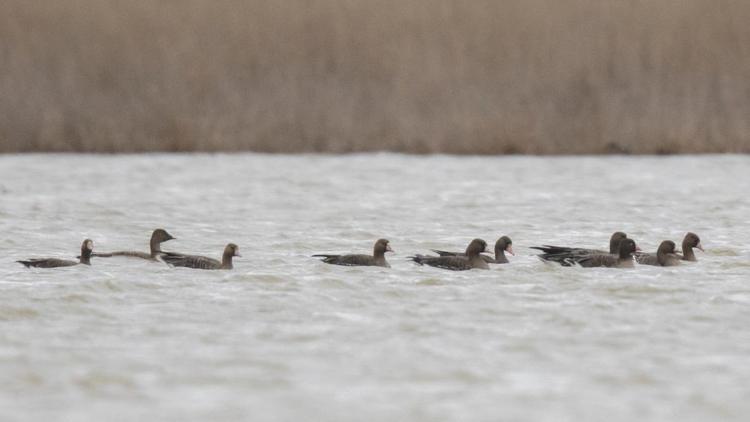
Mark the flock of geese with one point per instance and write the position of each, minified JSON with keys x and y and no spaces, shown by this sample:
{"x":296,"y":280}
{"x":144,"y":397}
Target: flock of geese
{"x":623,"y":252}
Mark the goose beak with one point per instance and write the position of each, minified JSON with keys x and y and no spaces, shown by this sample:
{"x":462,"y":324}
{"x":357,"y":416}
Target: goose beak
{"x":509,"y":249}
{"x":638,"y":248}
{"x":699,"y":246}
{"x":677,"y":251}
{"x":388,"y":248}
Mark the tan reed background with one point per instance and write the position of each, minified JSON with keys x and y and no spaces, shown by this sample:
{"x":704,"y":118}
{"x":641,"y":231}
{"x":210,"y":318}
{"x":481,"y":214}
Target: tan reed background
{"x":422,"y":76}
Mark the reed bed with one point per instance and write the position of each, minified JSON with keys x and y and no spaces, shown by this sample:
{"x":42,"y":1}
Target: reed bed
{"x":418,"y":76}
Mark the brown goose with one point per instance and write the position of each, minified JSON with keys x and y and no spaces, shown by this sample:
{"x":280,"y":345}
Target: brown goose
{"x":472,"y":258}
{"x":376,"y":260}
{"x":86,"y":247}
{"x":623,"y":259}
{"x":157,"y":237}
{"x":690,"y":241}
{"x":665,"y":256}
{"x":203,"y":262}
{"x":614,"y":243}
{"x":504,"y":244}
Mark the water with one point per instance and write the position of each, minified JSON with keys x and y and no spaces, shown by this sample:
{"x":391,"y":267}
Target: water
{"x":283,"y":337}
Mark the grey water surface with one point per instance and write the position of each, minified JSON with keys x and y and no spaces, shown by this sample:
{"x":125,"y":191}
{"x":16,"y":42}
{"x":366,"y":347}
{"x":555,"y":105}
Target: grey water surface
{"x":283,"y":337}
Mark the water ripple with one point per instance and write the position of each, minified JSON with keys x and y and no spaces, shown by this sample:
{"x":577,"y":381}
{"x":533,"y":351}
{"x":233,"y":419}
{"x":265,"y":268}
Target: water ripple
{"x":287,"y":337}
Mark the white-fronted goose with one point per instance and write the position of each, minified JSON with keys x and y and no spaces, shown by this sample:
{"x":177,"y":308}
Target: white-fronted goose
{"x":86,"y":247}
{"x":203,"y":262}
{"x":623,"y":259}
{"x":690,"y":241}
{"x":503,"y":244}
{"x":566,"y":251}
{"x":157,"y":238}
{"x":376,"y":260}
{"x":665,"y":256}
{"x":471,"y":259}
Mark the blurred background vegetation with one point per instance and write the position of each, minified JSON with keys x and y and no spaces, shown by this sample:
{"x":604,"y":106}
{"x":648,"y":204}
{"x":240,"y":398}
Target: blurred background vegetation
{"x":421,"y":76}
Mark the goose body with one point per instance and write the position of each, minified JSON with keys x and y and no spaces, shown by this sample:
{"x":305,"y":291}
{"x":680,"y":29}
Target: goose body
{"x":471,"y":259}
{"x":665,"y":256}
{"x":85,"y":258}
{"x":567,"y":256}
{"x":623,"y":259}
{"x":157,"y":238}
{"x":377,"y":259}
{"x":203,"y":262}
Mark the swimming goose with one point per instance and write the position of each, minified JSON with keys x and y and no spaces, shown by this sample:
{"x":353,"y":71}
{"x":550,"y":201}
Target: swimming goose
{"x":157,"y":237}
{"x":614,"y":243}
{"x":623,"y":258}
{"x":665,"y":256}
{"x":86,"y":247}
{"x":690,"y":241}
{"x":203,"y":262}
{"x":472,"y":258}
{"x":504,"y":244}
{"x":376,"y":260}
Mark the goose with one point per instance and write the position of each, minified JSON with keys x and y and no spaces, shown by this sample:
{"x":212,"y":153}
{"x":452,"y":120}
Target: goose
{"x":614,"y":242}
{"x":85,"y":258}
{"x":623,"y":258}
{"x":472,"y":258}
{"x":690,"y":241}
{"x":203,"y":262}
{"x":377,"y":259}
{"x":665,"y":256}
{"x":157,"y":238}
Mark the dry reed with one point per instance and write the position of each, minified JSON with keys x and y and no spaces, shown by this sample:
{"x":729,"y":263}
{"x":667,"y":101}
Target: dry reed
{"x":422,"y":76}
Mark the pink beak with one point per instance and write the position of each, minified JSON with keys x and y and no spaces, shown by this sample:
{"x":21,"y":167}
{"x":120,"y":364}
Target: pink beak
{"x":388,"y":248}
{"x":509,"y":249}
{"x":700,"y":247}
{"x":637,"y":248}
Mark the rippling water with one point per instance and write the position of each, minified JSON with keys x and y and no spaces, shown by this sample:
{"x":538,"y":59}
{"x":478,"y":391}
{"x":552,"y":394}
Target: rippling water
{"x":284,"y":337}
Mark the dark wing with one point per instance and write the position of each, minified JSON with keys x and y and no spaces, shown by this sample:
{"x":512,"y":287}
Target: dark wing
{"x":132,"y":254}
{"x":191,"y":261}
{"x":455,"y":263}
{"x":446,"y":253}
{"x":48,"y":263}
{"x":564,"y":259}
{"x":327,"y":258}
{"x":646,"y":259}
{"x":567,"y":256}
{"x":557,"y":250}
{"x":348,"y":260}
{"x":552,"y":250}
{"x":488,"y":259}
